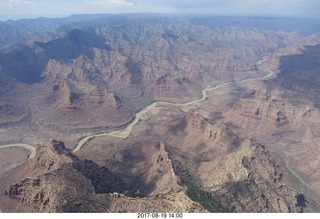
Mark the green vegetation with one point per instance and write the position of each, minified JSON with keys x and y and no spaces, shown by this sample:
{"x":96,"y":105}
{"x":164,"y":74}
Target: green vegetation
{"x":194,"y":192}
{"x":205,"y":199}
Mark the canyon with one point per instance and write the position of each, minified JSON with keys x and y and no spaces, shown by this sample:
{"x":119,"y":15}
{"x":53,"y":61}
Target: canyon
{"x":161,"y":113}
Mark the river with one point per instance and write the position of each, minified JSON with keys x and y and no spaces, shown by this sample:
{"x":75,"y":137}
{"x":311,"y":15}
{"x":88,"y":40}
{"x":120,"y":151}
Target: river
{"x":22,"y":145}
{"x":125,"y":132}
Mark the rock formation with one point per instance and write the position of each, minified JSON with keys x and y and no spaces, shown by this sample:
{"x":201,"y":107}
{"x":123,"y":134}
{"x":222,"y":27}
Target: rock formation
{"x":57,"y":181}
{"x":240,"y":175}
{"x":73,"y":79}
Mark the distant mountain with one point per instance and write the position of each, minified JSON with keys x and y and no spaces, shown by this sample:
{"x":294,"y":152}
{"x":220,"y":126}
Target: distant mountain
{"x":136,"y":58}
{"x":24,"y":30}
{"x":80,"y":77}
{"x":304,"y":26}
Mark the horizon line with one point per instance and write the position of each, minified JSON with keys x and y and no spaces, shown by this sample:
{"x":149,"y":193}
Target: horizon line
{"x":62,"y":16}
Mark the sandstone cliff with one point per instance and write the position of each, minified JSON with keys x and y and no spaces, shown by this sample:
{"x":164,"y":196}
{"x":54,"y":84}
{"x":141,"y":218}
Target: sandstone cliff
{"x":55,"y":180}
{"x":240,"y":175}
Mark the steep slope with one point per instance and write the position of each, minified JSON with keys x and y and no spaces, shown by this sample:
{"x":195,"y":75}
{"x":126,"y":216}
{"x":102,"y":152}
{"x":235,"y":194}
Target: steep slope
{"x":284,"y":113}
{"x":57,"y":181}
{"x":240,"y":175}
{"x":96,"y":73}
{"x":221,"y":171}
{"x":13,"y":109}
{"x":72,"y":102}
{"x":299,"y":75}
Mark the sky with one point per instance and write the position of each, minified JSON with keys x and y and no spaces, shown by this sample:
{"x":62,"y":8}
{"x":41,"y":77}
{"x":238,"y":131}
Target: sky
{"x":16,"y":9}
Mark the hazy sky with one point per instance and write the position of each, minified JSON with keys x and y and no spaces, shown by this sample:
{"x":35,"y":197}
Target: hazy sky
{"x":34,"y":8}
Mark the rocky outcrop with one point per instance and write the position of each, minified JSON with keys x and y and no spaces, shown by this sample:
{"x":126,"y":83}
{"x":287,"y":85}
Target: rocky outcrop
{"x":150,"y":165}
{"x":54,"y":191}
{"x":263,"y":189}
{"x":156,"y":170}
{"x":73,"y":103}
{"x":237,"y":174}
{"x":284,"y":111}
{"x":274,"y":115}
{"x":94,"y":77}
{"x":58,"y":181}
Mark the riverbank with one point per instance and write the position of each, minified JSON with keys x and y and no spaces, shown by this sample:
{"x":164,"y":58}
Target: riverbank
{"x":125,"y":132}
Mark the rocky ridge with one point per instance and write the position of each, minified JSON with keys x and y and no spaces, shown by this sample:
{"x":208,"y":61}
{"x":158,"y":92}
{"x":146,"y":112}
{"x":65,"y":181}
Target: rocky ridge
{"x":284,"y":112}
{"x":95,"y":78}
{"x":228,"y":173}
{"x":240,"y":175}
{"x":117,"y":66}
{"x":57,"y":181}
